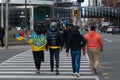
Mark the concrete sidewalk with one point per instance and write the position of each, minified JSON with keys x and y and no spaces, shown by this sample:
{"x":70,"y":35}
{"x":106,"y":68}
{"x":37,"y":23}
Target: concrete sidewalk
{"x":16,"y":47}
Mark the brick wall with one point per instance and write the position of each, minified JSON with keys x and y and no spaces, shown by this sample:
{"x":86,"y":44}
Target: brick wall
{"x":110,"y":2}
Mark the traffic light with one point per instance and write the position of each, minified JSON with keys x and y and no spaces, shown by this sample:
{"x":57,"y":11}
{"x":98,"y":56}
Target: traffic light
{"x":80,"y":0}
{"x":76,"y":13}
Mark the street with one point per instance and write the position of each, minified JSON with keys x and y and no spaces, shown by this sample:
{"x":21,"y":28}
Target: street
{"x":6,"y":54}
{"x":21,"y":67}
{"x":109,"y":58}
{"x":20,"y":18}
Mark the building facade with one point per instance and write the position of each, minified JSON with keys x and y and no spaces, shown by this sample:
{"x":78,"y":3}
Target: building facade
{"x":92,"y":2}
{"x":30,"y":12}
{"x":111,"y":3}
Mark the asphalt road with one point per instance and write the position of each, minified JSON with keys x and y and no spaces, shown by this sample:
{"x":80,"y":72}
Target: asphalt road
{"x":8,"y":53}
{"x":110,"y":57}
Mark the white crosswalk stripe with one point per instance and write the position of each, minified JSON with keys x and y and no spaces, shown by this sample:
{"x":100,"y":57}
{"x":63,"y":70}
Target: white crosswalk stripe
{"x":22,"y":67}
{"x":108,"y":40}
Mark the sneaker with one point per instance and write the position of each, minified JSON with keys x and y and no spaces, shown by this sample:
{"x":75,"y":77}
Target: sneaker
{"x":37,"y":72}
{"x":92,"y":72}
{"x":74,"y":74}
{"x":57,"y":72}
{"x":78,"y":75}
{"x":95,"y":71}
{"x":51,"y":70}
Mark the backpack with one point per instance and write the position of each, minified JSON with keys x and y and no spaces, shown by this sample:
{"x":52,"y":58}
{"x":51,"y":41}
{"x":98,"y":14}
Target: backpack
{"x":39,"y":40}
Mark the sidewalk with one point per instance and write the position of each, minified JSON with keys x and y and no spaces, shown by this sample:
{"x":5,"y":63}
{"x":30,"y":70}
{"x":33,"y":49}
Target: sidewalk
{"x":16,"y":47}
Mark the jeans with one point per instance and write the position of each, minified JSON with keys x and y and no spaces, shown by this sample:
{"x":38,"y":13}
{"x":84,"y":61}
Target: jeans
{"x":76,"y":57}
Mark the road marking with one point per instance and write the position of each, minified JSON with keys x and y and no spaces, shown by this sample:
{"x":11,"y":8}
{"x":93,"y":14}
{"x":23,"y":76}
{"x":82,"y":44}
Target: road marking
{"x":50,"y":73}
{"x":11,"y":61}
{"x":42,"y":63}
{"x":45,"y":77}
{"x":22,"y":67}
{"x":43,"y":69}
{"x":106,"y":74}
{"x":108,"y":40}
{"x":107,"y":67}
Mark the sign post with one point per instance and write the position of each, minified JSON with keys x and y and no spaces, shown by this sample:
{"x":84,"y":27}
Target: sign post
{"x":79,"y":7}
{"x":6,"y":24}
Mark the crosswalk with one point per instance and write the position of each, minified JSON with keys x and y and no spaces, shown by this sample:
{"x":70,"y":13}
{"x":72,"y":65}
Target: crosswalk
{"x":21,"y":67}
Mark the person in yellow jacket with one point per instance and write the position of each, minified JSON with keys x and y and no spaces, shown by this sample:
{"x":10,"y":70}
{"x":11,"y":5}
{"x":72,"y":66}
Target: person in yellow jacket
{"x":38,"y":42}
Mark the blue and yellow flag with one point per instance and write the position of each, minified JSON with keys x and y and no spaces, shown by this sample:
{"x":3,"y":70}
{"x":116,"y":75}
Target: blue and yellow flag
{"x":64,"y":23}
{"x":19,"y":38}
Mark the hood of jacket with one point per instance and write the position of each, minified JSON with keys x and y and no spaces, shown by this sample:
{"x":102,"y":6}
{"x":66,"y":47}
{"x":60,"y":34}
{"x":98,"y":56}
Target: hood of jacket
{"x":75,"y":33}
{"x":92,"y":33}
{"x":53,"y":28}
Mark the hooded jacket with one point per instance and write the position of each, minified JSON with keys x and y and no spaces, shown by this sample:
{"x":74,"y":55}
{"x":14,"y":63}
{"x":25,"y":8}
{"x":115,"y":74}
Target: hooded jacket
{"x":53,"y":37}
{"x":75,"y":41}
{"x":37,"y":41}
{"x":94,"y":40}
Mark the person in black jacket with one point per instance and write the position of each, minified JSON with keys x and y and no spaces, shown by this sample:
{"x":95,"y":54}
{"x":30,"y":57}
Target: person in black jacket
{"x":54,"y":44}
{"x":2,"y":33}
{"x":74,"y":43}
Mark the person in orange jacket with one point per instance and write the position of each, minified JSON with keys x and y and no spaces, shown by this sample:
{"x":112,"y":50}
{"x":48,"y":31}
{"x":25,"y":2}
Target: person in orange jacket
{"x":94,"y":44}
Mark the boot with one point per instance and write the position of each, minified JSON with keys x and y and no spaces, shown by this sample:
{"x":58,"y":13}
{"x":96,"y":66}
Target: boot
{"x":51,"y":70}
{"x":57,"y":72}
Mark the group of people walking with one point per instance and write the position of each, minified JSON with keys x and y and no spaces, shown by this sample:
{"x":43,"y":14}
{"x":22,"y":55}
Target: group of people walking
{"x":40,"y":41}
{"x":76,"y":43}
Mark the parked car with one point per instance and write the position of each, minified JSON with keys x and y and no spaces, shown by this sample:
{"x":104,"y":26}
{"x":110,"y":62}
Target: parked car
{"x":87,"y":28}
{"x":110,"y":28}
{"x":116,"y":30}
{"x":103,"y":29}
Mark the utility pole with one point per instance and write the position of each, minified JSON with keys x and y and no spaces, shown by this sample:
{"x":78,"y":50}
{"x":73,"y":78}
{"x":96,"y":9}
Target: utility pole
{"x":2,"y":22}
{"x":79,"y":7}
{"x":26,"y":17}
{"x":118,"y":15}
{"x":6,"y":23}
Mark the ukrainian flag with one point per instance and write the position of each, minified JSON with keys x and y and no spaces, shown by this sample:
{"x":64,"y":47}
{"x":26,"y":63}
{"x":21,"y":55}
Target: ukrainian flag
{"x":19,"y":38}
{"x":64,"y":23}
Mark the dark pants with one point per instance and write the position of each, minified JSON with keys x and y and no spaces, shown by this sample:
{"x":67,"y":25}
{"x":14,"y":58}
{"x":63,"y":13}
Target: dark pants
{"x":2,"y":43}
{"x":54,"y":53}
{"x":38,"y":58}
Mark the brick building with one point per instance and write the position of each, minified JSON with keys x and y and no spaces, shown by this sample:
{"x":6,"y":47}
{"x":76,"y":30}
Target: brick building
{"x":111,"y":2}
